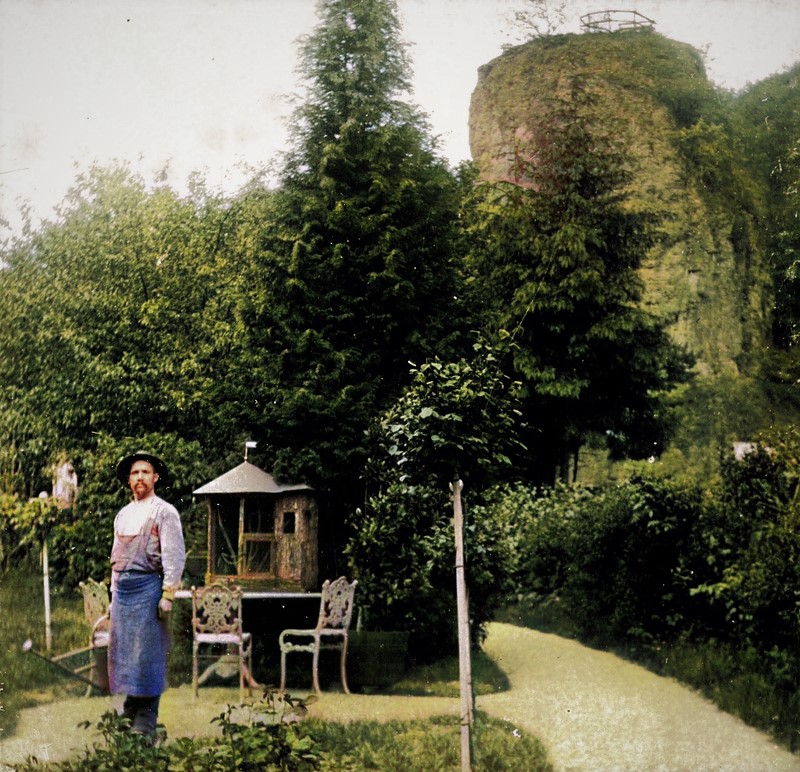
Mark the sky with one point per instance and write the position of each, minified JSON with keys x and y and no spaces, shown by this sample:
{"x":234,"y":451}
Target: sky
{"x":206,"y":85}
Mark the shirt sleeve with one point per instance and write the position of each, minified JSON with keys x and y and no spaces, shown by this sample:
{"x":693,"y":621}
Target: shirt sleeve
{"x":114,"y":576}
{"x":173,"y":550}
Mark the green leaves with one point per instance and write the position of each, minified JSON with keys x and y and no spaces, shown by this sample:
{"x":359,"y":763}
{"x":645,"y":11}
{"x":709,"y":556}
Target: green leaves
{"x":261,"y":736}
{"x":132,"y":314}
{"x":456,"y":417}
{"x":554,"y":260}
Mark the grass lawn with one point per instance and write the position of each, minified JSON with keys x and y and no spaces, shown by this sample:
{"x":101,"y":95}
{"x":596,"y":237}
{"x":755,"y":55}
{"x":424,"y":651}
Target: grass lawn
{"x":26,"y":680}
{"x":412,"y":743}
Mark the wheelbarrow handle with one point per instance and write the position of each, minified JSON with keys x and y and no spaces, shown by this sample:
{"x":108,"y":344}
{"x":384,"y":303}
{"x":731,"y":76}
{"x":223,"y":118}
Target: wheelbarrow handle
{"x":27,"y":647}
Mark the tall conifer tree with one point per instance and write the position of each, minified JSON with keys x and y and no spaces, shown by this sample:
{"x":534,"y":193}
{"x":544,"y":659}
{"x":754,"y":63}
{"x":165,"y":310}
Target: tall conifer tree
{"x":558,"y":260}
{"x":366,"y":242}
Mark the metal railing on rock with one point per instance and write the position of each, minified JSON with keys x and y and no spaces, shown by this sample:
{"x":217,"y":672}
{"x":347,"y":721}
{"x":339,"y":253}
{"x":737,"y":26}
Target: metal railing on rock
{"x":615,"y":21}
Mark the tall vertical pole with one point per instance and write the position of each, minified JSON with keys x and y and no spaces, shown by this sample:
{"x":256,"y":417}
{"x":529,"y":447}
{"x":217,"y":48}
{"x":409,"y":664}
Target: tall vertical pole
{"x":48,"y":634}
{"x":240,"y":560}
{"x":464,"y":660}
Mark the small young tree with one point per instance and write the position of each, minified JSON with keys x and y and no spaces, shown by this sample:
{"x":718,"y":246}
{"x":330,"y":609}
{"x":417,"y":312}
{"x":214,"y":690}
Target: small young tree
{"x":539,"y":18}
{"x":750,"y":542}
{"x":455,"y":419}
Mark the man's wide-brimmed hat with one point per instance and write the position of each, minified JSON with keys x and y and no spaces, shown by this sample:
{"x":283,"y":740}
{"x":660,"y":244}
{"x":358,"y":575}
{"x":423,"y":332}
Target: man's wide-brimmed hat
{"x":124,"y":465}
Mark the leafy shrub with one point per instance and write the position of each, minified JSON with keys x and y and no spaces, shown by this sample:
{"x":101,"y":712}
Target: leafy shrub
{"x":261,"y":740}
{"x":614,"y":557}
{"x":752,"y":541}
{"x":403,"y":554}
{"x":455,"y":418}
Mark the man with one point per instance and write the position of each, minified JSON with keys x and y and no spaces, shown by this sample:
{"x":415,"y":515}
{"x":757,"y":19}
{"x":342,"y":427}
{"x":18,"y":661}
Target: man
{"x":147,"y":561}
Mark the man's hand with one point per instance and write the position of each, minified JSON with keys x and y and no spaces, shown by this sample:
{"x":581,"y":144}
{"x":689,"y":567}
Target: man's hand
{"x":164,"y":607}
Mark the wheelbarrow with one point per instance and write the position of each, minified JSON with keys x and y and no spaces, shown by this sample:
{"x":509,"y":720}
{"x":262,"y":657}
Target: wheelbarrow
{"x":73,"y":664}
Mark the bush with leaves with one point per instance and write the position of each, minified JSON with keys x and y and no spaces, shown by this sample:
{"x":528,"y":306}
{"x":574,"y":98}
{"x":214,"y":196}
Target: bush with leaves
{"x":750,"y":534}
{"x":402,"y":553}
{"x":256,"y":738}
{"x":615,"y":559}
{"x":457,"y":418}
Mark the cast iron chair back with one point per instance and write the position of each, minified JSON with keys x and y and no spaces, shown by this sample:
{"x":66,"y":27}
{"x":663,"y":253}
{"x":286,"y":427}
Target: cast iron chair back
{"x":331,"y":632}
{"x":217,"y":619}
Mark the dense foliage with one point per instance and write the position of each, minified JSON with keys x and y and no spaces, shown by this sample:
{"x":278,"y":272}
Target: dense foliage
{"x":767,"y":130}
{"x":454,"y":420}
{"x":656,"y":565}
{"x":555,"y":257}
{"x":614,"y":559}
{"x":102,"y":332}
{"x":653,"y":559}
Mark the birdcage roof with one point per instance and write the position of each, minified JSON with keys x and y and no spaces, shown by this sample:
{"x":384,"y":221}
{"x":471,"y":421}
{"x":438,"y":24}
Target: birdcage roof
{"x":246,"y":478}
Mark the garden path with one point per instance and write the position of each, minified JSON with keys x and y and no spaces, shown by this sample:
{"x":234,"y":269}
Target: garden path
{"x":593,"y":711}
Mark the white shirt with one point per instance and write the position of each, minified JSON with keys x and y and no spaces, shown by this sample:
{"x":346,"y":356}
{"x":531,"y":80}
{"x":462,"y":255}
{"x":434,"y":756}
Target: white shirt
{"x":133,"y":517}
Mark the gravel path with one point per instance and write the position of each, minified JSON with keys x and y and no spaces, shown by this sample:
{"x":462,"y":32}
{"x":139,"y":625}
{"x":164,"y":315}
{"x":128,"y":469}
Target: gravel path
{"x":592,"y":710}
{"x":595,"y":711}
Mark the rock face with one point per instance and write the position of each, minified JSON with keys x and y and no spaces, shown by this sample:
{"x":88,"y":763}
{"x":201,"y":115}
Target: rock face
{"x":707,"y":278}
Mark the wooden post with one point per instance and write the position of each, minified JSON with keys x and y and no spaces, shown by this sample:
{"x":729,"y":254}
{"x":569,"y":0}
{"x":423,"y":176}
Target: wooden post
{"x":211,"y":557}
{"x":240,"y":561}
{"x":464,"y":659}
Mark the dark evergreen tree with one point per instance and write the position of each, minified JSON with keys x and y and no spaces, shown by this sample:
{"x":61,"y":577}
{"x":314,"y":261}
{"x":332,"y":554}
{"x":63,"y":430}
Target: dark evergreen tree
{"x":367,"y":240}
{"x":558,"y":252}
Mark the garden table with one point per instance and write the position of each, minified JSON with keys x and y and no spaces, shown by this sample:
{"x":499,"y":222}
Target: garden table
{"x":221,"y":667}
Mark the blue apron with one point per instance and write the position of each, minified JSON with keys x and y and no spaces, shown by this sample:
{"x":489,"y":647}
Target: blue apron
{"x":139,"y":641}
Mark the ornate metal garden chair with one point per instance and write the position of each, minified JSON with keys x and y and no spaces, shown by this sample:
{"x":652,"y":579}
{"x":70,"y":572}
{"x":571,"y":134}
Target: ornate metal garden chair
{"x":95,"y":609}
{"x":331,"y":632}
{"x":217,"y":620}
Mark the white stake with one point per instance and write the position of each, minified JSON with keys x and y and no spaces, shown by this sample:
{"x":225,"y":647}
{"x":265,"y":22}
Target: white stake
{"x":464,"y":657}
{"x":48,"y":636}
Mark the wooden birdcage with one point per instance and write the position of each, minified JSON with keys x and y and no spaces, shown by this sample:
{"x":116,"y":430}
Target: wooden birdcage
{"x":261,"y":533}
